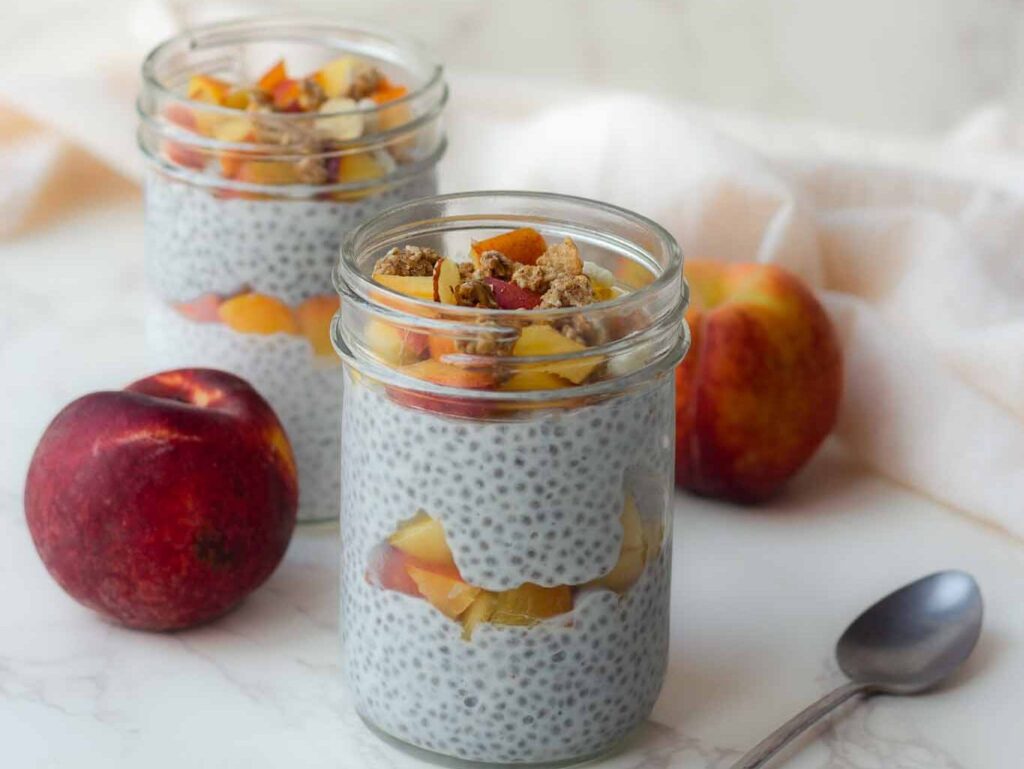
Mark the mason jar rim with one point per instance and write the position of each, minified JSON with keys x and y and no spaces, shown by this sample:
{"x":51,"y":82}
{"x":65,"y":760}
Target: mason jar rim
{"x":280,"y":22}
{"x":355,"y":287}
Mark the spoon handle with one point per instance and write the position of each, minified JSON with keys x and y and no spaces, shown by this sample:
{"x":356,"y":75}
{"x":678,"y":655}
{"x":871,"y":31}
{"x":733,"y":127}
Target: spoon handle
{"x":774,"y":742}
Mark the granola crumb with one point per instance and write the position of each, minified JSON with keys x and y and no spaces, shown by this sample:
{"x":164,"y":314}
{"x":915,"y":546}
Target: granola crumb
{"x":566,"y":291}
{"x":311,"y":170}
{"x":365,"y":82}
{"x":475,"y":293}
{"x":561,"y":259}
{"x":494,"y":264}
{"x":408,"y":261}
{"x":498,"y":342}
{"x":466,"y":270}
{"x":583,"y":330}
{"x":531,"y":278}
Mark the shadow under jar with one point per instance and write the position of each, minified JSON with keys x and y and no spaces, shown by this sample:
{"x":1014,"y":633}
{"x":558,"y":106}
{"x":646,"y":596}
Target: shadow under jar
{"x":506,"y":503}
{"x":266,"y":142}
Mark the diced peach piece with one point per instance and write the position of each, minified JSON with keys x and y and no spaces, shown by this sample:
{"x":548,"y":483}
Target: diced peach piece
{"x":420,"y":287}
{"x":388,"y":569}
{"x":479,"y":611}
{"x":258,"y":314}
{"x":396,"y":115}
{"x":449,"y":595}
{"x":530,"y":603}
{"x":201,"y":310}
{"x":388,"y":91}
{"x":267,"y":172}
{"x":447,"y":375}
{"x":633,"y":554}
{"x":538,"y":339}
{"x":207,"y":89}
{"x":441,"y":345}
{"x":533,"y":380}
{"x":423,"y":538}
{"x":523,"y":245}
{"x":287,"y":96}
{"x":446,"y":280}
{"x":269,"y":80}
{"x":236,"y":129}
{"x":509,"y":296}
{"x":314,"y":316}
{"x":238,"y":99}
{"x":394,"y":346}
{"x":178,"y":153}
{"x":336,"y":77}
{"x":360,"y":167}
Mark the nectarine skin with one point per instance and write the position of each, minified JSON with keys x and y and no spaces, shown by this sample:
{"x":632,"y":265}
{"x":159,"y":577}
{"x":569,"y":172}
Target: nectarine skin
{"x":163,"y":505}
{"x":760,"y":387}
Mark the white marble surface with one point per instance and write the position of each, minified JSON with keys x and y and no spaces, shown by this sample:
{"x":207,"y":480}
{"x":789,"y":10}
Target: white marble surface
{"x":759,"y":595}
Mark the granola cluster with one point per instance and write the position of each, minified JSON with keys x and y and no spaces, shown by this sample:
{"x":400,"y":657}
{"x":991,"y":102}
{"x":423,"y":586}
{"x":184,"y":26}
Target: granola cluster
{"x":557,"y":276}
{"x":408,"y":261}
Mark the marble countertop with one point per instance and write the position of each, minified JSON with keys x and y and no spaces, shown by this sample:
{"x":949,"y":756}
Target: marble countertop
{"x":758,"y":596}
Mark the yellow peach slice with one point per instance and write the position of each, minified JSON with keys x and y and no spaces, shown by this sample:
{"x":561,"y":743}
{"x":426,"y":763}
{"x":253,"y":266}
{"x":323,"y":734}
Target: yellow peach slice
{"x":236,"y":129}
{"x":269,"y":80}
{"x":479,"y":611}
{"x":540,"y":339}
{"x":314,"y":316}
{"x":633,"y":555}
{"x":207,"y":89}
{"x":393,"y":346}
{"x":258,"y":314}
{"x":530,"y":603}
{"x":336,"y":76}
{"x":448,"y":375}
{"x":423,"y":537}
{"x":533,"y":380}
{"x":446,"y":280}
{"x":267,"y":172}
{"x":447,"y":594}
{"x":418,"y":286}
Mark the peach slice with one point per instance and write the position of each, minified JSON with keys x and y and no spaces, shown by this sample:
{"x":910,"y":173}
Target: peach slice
{"x":479,"y":611}
{"x":446,"y":279}
{"x":314,"y":316}
{"x":447,"y":375}
{"x":394,"y":116}
{"x":540,"y":339}
{"x":633,"y":555}
{"x":287,"y":95}
{"x":267,"y":172}
{"x":449,"y":595}
{"x":523,"y":245}
{"x":236,"y":129}
{"x":202,"y":309}
{"x":389,"y":570}
{"x":238,"y":99}
{"x":418,"y":286}
{"x":336,"y":76}
{"x":269,"y":80}
{"x":360,"y":167}
{"x":523,"y":381}
{"x":394,"y":346}
{"x":258,"y":314}
{"x":440,"y":346}
{"x":422,"y":537}
{"x":209,"y":90}
{"x":528,"y":604}
{"x":509,"y":296}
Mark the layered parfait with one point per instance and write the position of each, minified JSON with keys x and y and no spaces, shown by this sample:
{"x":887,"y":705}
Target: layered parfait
{"x":259,"y":165}
{"x":508,"y":442}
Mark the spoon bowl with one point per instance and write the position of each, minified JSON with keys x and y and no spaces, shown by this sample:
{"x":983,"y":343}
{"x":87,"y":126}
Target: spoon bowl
{"x":915,"y":637}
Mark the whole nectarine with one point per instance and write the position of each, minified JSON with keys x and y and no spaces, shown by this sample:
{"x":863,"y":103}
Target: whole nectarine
{"x":760,"y":387}
{"x":163,"y":505}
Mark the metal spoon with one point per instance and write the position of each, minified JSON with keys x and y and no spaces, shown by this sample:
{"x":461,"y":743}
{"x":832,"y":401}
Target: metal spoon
{"x":907,"y":642}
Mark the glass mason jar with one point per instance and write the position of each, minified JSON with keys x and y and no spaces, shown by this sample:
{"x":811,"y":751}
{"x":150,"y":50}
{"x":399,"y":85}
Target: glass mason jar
{"x":506,"y":549}
{"x":254,"y":177}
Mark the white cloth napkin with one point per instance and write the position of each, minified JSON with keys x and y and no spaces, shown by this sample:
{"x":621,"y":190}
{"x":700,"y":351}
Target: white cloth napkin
{"x":915,"y":249}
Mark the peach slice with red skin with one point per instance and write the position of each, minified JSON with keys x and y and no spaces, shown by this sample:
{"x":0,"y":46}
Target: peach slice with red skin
{"x":207,"y":89}
{"x":393,"y":345}
{"x":449,"y":375}
{"x":254,"y":313}
{"x":176,"y":152}
{"x":202,"y":309}
{"x":287,"y":95}
{"x":446,"y":279}
{"x":509,"y":296}
{"x":523,"y":245}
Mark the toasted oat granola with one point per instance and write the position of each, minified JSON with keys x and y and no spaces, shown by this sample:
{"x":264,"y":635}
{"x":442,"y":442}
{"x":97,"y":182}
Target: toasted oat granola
{"x":494,"y":264}
{"x":475,"y":293}
{"x":568,"y":291}
{"x":408,"y":260}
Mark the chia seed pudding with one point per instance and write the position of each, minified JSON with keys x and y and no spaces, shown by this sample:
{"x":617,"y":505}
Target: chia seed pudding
{"x":255,"y":176}
{"x":508,"y":431}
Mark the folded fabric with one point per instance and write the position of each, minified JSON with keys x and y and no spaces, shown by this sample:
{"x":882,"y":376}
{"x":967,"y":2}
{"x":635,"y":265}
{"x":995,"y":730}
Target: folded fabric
{"x":921,"y":271}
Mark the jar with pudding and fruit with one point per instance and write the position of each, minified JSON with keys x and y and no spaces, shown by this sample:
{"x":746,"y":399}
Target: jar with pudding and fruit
{"x":508,"y":436}
{"x":267,"y":141}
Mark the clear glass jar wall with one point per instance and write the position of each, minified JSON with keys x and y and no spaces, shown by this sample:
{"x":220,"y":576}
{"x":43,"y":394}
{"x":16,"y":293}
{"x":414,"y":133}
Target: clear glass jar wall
{"x":266,"y":141}
{"x":506,"y":550}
